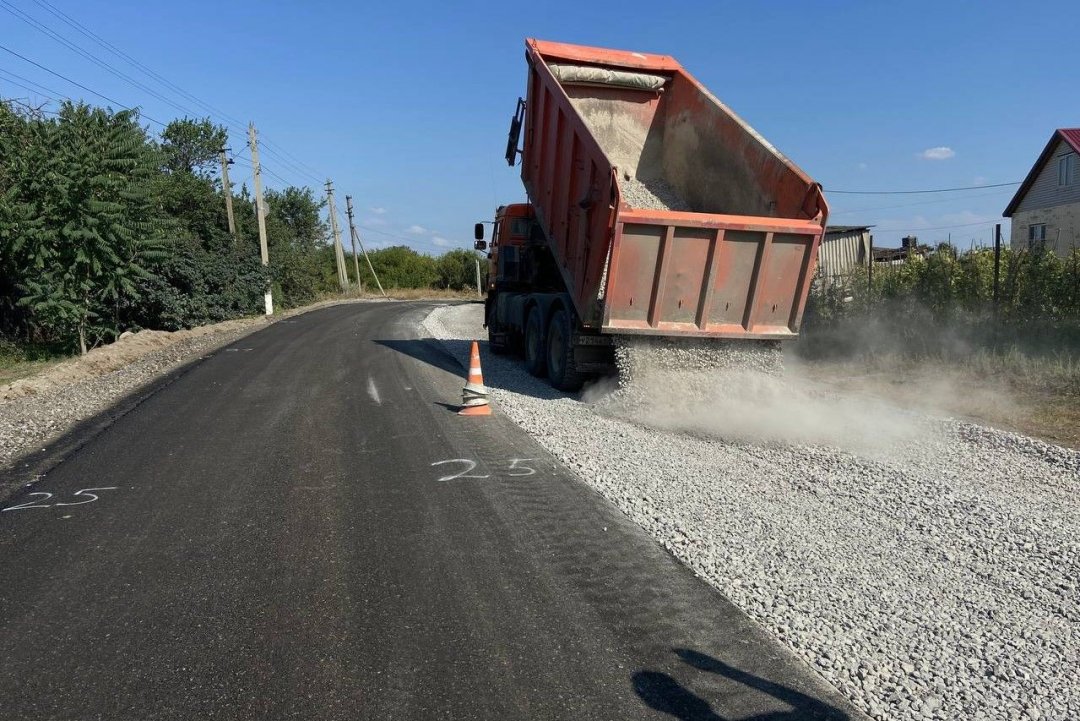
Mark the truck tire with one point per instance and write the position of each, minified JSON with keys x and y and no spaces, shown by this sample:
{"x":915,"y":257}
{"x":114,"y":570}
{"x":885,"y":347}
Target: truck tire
{"x":561,"y":363}
{"x":535,"y":357}
{"x":493,"y":346}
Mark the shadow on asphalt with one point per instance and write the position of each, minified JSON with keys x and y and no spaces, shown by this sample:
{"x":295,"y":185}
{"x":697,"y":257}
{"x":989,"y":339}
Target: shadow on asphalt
{"x":500,"y":371}
{"x":428,"y":350}
{"x":663,"y":693}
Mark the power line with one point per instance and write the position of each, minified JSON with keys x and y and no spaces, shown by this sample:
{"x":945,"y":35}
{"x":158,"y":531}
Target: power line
{"x":26,"y":105}
{"x":915,"y":205}
{"x":282,"y":150}
{"x":49,"y":92}
{"x":106,"y":98}
{"x":407,"y":239}
{"x":87,"y":55}
{"x":917,"y":192}
{"x":291,"y":166}
{"x":135,"y":63}
{"x":940,"y":227}
{"x":232,"y":124}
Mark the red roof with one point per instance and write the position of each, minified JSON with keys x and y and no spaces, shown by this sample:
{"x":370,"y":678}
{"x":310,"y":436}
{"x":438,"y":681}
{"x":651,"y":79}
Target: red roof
{"x":1070,"y":136}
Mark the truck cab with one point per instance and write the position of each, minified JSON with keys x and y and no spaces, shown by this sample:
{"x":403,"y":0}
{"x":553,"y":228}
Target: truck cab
{"x":527,"y":308}
{"x":512,"y":228}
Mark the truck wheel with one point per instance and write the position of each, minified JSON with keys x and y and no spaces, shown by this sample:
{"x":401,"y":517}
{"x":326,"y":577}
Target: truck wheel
{"x":562,"y":366}
{"x":535,"y":361}
{"x":494,"y":347}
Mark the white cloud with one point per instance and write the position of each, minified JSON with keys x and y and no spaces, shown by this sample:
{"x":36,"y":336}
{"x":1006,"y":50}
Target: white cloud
{"x":378,"y":211}
{"x":862,"y":166}
{"x":941,"y":152}
{"x":440,"y":241}
{"x":416,"y":230}
{"x":375,"y":220}
{"x":979,"y":180}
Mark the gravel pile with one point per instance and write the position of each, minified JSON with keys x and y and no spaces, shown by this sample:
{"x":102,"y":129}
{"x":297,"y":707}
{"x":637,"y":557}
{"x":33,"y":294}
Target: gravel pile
{"x":934,"y":575}
{"x":651,"y":194}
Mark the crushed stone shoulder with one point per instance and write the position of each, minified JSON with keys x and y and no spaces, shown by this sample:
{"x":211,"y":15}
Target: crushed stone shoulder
{"x":927,"y":568}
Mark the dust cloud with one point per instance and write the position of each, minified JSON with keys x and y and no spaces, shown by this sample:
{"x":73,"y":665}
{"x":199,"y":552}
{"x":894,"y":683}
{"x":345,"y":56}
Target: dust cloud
{"x":747,"y":405}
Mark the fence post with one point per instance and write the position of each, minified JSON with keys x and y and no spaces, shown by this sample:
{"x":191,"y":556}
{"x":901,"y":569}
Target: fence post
{"x":870,"y":271}
{"x":997,"y":266}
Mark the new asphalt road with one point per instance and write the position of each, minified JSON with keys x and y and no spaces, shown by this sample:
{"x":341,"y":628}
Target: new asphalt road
{"x":300,"y":527}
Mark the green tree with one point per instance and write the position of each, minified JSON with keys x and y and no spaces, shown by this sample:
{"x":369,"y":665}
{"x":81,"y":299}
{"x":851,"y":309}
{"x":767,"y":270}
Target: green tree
{"x":192,"y":146}
{"x":89,"y":222}
{"x":401,"y":267}
{"x":297,"y":239}
{"x":457,"y":269}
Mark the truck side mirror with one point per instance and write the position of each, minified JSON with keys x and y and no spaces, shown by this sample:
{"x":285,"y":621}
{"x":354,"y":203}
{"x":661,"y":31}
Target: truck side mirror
{"x":480,"y":245}
{"x":478,"y":231}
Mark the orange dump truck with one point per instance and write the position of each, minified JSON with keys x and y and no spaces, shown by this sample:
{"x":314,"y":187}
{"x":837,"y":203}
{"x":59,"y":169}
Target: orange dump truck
{"x":653,"y":209}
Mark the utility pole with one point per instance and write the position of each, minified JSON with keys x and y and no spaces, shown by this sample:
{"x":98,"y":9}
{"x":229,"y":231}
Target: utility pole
{"x":260,"y":214}
{"x":479,"y":293}
{"x":339,"y":254}
{"x":352,"y":237}
{"x":356,"y":239}
{"x":226,"y":187}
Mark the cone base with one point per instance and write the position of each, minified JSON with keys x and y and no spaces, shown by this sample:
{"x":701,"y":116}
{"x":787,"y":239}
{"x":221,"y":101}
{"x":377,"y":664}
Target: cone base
{"x":484,"y":410}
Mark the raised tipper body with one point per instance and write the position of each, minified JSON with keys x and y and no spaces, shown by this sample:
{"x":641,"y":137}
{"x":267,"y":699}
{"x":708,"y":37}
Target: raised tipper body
{"x":662,"y":212}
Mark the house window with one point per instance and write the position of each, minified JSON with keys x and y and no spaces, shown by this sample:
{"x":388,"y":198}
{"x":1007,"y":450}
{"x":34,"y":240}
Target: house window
{"x":1036,"y":234}
{"x":1067,"y":169}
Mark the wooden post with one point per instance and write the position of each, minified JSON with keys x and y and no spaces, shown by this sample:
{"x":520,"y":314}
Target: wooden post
{"x":339,"y":254}
{"x":226,"y":188}
{"x":260,"y":214}
{"x":870,"y":270}
{"x":356,"y":239}
{"x":352,"y":237}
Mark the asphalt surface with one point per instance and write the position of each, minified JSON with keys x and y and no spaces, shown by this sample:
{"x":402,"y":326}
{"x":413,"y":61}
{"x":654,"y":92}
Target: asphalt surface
{"x":275,"y":541}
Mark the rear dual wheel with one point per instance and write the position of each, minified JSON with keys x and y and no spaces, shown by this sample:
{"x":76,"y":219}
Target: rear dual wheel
{"x":561,"y":362}
{"x":498,"y":348}
{"x":535,"y":358}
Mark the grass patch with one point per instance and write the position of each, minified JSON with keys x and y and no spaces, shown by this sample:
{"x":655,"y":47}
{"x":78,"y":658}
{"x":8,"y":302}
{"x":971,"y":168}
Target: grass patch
{"x":405,"y":294}
{"x":19,"y":361}
{"x":1033,"y":394}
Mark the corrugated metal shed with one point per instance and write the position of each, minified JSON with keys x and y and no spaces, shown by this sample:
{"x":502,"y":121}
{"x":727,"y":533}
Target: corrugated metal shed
{"x":844,"y":247}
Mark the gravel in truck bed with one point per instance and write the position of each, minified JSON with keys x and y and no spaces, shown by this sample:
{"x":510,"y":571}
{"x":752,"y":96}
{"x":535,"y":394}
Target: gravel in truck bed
{"x":651,"y":194}
{"x":928,"y":568}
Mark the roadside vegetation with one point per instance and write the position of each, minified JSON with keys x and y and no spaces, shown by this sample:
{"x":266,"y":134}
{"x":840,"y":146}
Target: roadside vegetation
{"x":930,"y":333}
{"x":105,"y":227}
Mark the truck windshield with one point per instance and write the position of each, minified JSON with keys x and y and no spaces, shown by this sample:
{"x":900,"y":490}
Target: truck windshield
{"x":519,"y":227}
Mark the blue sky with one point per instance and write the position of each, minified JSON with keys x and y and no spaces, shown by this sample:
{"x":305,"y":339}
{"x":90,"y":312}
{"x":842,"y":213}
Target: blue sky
{"x":406,"y":105}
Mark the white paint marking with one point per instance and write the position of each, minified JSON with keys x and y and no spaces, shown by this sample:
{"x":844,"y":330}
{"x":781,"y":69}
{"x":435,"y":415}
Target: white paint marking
{"x":85,"y":491}
{"x":30,"y":504}
{"x":470,"y":465}
{"x":518,"y":464}
{"x":83,"y":494}
{"x":373,"y":391}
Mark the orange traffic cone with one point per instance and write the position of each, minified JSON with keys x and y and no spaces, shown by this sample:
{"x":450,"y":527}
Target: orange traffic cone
{"x":474,"y":399}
